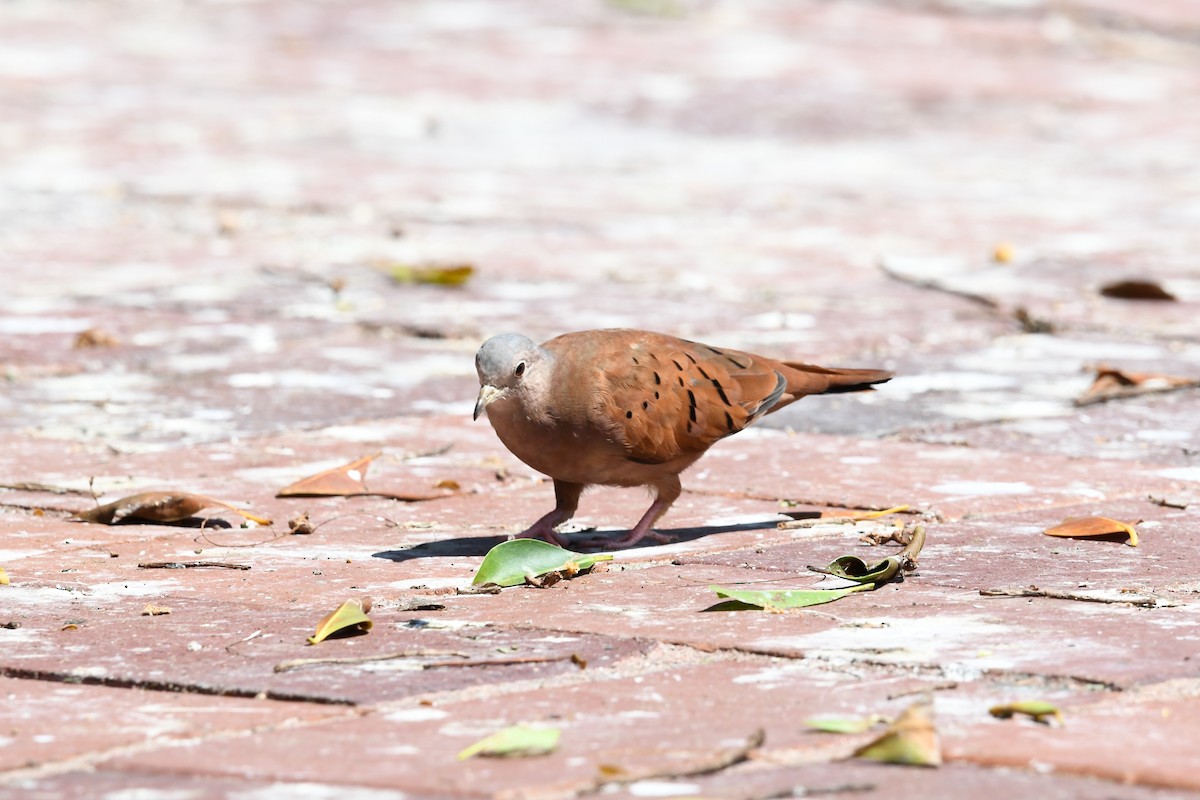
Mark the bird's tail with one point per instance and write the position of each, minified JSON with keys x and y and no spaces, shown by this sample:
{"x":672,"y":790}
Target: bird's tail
{"x":810,"y":379}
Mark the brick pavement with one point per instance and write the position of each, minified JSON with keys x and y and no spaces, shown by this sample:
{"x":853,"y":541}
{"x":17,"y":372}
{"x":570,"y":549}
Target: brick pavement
{"x":222,"y":188}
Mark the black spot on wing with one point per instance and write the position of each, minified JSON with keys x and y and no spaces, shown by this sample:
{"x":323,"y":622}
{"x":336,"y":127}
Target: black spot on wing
{"x":721,"y":391}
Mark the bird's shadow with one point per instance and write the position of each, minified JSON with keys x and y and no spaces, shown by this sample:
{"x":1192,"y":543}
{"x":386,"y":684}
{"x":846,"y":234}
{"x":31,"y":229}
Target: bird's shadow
{"x":480,"y":545}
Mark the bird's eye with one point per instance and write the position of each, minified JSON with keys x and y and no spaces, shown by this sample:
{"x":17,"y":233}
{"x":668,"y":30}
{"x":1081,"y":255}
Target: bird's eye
{"x":520,"y":370}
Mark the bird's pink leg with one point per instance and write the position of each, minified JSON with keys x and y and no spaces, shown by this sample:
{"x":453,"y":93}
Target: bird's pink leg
{"x":566,"y":500}
{"x":669,"y":490}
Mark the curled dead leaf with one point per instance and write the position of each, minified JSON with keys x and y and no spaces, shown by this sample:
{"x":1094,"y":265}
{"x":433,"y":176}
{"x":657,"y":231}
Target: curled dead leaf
{"x":3,"y":577}
{"x":1094,"y":527}
{"x":1113,"y":384}
{"x":159,"y":507}
{"x":152,"y":610}
{"x":1039,"y":710}
{"x":1136,"y":289}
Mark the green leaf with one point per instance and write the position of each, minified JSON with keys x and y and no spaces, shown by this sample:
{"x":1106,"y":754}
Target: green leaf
{"x":349,"y":618}
{"x":517,"y":741}
{"x":1040,"y":710}
{"x":509,"y":563}
{"x":438,"y":275}
{"x":843,"y":725}
{"x":775,"y":599}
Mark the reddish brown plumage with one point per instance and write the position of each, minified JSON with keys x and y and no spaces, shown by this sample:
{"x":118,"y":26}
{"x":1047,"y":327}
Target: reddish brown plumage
{"x":630,"y":408}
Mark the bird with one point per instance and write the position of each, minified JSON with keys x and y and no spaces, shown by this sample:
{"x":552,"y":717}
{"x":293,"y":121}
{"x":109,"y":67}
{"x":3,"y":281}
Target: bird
{"x":624,"y":407}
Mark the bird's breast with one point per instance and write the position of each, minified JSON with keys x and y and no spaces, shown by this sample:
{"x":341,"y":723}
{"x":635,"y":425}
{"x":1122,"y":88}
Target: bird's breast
{"x":567,"y":452}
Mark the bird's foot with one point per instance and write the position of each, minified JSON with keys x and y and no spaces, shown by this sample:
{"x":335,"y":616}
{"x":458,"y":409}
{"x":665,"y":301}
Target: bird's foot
{"x":545,"y":532}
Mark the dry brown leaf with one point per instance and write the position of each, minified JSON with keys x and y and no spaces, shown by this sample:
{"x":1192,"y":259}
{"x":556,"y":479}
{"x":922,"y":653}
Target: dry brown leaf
{"x":1111,"y":384}
{"x":96,"y":337}
{"x":1094,"y":527}
{"x":3,"y":577}
{"x":152,"y":610}
{"x":804,"y":519}
{"x":911,"y":739}
{"x":344,"y":481}
{"x":1003,"y":253}
{"x":348,"y":480}
{"x":1135,"y":289}
{"x":159,"y":507}
{"x":300,"y":524}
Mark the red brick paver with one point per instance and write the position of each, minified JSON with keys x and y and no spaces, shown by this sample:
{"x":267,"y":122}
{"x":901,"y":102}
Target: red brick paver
{"x":220,"y":190}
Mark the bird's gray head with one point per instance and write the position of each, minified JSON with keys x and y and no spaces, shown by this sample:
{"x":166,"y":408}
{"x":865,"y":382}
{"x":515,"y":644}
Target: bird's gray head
{"x":505,"y":363}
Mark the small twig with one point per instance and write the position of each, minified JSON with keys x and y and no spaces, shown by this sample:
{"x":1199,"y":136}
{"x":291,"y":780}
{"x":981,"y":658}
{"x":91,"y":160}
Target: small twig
{"x":419,"y":603}
{"x":229,"y":647}
{"x":937,"y":286}
{"x":190,"y":565}
{"x":462,"y":661}
{"x":940,"y":687}
{"x":35,"y":508}
{"x":1134,"y":600}
{"x":377,"y":517}
{"x":816,"y":791}
{"x":301,"y":663}
{"x":32,"y":486}
{"x":487,"y":588}
{"x":437,"y":451}
{"x":502,"y":661}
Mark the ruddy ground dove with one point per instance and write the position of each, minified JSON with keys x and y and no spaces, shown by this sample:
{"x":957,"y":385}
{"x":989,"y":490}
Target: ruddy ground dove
{"x":631,"y":408}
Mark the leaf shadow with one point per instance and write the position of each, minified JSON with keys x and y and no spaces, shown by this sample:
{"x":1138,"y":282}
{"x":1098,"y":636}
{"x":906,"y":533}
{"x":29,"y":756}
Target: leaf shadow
{"x":194,"y":523}
{"x":731,"y":605}
{"x":349,"y":632}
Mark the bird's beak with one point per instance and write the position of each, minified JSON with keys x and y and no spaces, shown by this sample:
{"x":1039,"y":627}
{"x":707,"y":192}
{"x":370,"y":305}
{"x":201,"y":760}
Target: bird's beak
{"x":487,"y":393}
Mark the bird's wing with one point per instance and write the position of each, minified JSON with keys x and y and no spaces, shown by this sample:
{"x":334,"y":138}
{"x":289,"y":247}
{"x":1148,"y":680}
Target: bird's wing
{"x":665,"y":397}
